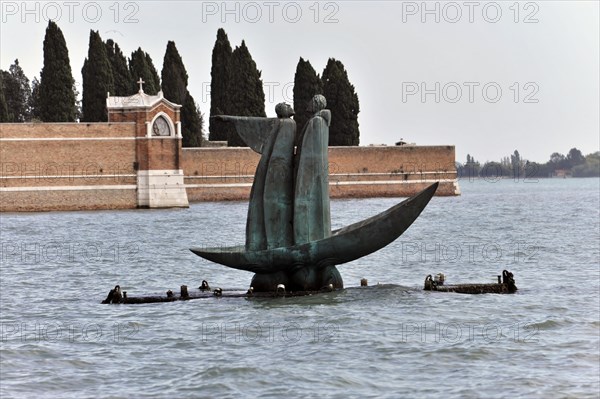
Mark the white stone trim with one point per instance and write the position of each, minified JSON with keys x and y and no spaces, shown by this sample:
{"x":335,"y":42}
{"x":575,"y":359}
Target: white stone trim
{"x":332,"y":175}
{"x":410,"y":173}
{"x":222,"y":177}
{"x":389,"y":182}
{"x":161,"y":188}
{"x":169,"y":121}
{"x":65,"y":123}
{"x":333,"y":183}
{"x":68,"y":138}
{"x":456,"y":188}
{"x":70,"y":188}
{"x":218,"y":185}
{"x":178,"y":124}
{"x":140,"y":100}
{"x":67,"y":176}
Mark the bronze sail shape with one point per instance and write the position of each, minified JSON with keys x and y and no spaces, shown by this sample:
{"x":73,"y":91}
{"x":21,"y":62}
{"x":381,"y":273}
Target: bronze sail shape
{"x":344,"y":245}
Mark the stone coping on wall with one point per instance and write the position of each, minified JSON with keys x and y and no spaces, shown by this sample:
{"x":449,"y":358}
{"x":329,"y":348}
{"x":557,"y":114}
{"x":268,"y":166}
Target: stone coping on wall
{"x":66,"y":130}
{"x":226,"y":161}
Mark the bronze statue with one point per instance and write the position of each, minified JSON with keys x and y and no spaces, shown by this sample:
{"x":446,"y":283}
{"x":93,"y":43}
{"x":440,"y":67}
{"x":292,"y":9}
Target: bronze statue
{"x":312,"y":218}
{"x":289,"y":241}
{"x":269,"y":222}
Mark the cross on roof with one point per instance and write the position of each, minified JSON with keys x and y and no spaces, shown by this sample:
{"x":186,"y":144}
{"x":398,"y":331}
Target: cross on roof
{"x":141,"y":82}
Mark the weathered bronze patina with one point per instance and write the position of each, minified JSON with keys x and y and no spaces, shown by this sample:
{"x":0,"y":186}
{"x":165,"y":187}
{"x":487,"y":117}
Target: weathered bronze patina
{"x":289,"y":240}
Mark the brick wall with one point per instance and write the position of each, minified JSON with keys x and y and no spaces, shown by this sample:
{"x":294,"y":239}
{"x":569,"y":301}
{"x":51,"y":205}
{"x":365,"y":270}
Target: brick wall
{"x":161,"y":153}
{"x":215,"y":174}
{"x":61,"y":166}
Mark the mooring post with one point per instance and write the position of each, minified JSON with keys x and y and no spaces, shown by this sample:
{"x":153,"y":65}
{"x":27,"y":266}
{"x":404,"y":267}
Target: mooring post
{"x":184,"y":291}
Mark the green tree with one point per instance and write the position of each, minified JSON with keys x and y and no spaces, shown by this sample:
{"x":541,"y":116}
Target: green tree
{"x":591,"y":167}
{"x":494,"y":170}
{"x":140,"y":66}
{"x":17,"y":93}
{"x":246,"y":91}
{"x":307,"y":83}
{"x":3,"y":107}
{"x":471,"y":168}
{"x":57,"y":99}
{"x":192,"y":124}
{"x":220,"y":74}
{"x":534,"y":170}
{"x":174,"y":76}
{"x":557,"y":161}
{"x":342,"y":100}
{"x":515,"y":162}
{"x":120,"y":71}
{"x":97,"y":80}
{"x":574,"y":158}
{"x":34,"y":100}
{"x":153,"y":74}
{"x":174,"y":86}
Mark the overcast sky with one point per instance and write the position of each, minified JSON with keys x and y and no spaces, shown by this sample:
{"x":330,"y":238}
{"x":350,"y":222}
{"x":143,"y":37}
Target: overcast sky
{"x":487,"y":77}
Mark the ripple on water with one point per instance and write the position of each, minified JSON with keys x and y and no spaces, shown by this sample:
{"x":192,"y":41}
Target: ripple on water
{"x":389,"y":340}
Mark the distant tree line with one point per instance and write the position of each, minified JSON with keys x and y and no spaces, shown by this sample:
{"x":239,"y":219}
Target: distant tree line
{"x":236,"y":88}
{"x":574,"y":163}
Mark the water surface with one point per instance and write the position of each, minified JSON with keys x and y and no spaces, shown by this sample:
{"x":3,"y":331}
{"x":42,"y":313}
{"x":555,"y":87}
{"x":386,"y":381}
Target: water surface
{"x":387,"y":340}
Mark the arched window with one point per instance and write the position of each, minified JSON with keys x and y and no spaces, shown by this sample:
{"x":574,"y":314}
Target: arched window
{"x":161,"y":127}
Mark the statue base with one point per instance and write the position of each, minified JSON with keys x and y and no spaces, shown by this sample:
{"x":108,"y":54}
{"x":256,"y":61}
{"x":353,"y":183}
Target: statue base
{"x":306,"y":278}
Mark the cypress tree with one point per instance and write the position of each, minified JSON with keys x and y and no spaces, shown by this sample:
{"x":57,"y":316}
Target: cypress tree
{"x":220,"y":73}
{"x":140,"y":66}
{"x":17,"y":93}
{"x":34,"y":100}
{"x":307,"y":83}
{"x":174,"y":76}
{"x":246,"y":90}
{"x":97,"y":80}
{"x":515,"y":161}
{"x":174,"y":86}
{"x":121,"y":75}
{"x":191,"y":121}
{"x":342,"y":100}
{"x":57,"y":99}
{"x":153,"y":74}
{"x":3,"y":108}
